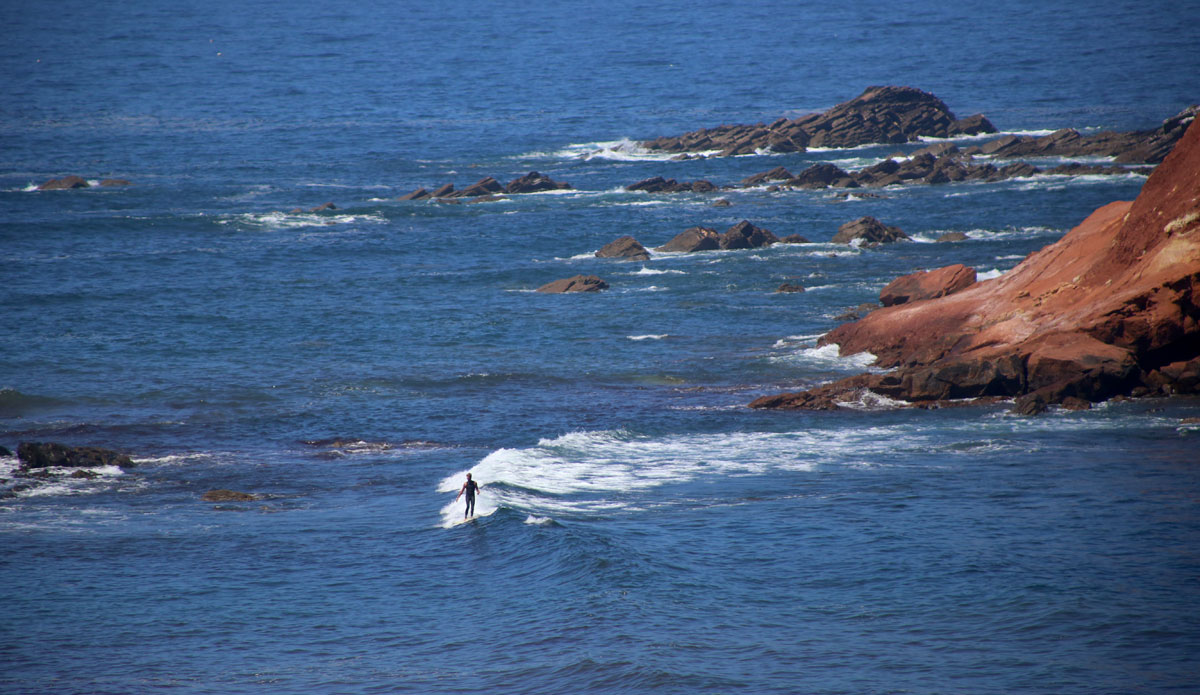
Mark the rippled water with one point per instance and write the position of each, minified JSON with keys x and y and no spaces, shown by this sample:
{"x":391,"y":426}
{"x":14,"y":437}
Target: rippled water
{"x":639,"y":529}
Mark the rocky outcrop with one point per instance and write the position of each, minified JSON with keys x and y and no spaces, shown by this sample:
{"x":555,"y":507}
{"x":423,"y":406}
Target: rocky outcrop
{"x":693,"y":239}
{"x":868,"y":231}
{"x":52,"y":454}
{"x":929,"y":284}
{"x":658,"y":184}
{"x":533,"y":182}
{"x":878,"y":115}
{"x":1111,"y":309}
{"x":65,"y":183}
{"x":579,"y":283}
{"x":626,"y":247}
{"x":744,"y":235}
{"x":1145,"y":146}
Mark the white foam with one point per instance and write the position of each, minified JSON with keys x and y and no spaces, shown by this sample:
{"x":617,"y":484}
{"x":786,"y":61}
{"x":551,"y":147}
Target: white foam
{"x":623,"y":150}
{"x":652,"y":271}
{"x":285,"y":220}
{"x":538,"y":520}
{"x":989,"y":274}
{"x":647,"y":337}
{"x":607,"y":471}
{"x":827,"y":357}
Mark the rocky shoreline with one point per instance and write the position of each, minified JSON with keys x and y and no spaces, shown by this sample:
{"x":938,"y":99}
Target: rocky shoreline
{"x":1111,"y":310}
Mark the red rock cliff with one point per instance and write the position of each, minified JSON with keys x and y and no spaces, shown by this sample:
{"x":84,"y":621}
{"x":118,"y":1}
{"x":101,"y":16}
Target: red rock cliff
{"x":1110,"y":309}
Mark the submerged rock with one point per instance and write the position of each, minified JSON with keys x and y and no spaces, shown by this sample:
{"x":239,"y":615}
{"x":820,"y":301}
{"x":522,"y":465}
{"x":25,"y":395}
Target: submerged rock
{"x":228,"y":496}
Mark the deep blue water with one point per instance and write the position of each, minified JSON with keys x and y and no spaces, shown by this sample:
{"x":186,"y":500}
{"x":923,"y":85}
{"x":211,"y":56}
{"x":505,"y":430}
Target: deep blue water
{"x":640,"y":529}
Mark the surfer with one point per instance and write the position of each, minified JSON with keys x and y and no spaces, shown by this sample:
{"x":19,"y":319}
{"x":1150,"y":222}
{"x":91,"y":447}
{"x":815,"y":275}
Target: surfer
{"x":469,"y":487}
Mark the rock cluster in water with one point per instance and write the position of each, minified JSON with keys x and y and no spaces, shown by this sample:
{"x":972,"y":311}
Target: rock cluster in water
{"x":488,"y":188}
{"x":1110,"y":310}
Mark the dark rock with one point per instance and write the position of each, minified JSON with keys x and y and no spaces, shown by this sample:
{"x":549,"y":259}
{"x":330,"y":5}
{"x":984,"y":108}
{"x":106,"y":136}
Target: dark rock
{"x":776,"y":174}
{"x":47,"y":454}
{"x":1073,"y":403}
{"x":870,"y":231}
{"x":533,"y":182}
{"x":444,"y":191}
{"x":228,"y":496}
{"x":484,"y":186}
{"x":323,"y":207}
{"x":929,"y":284}
{"x":578,"y":283}
{"x":110,"y":183}
{"x":4,"y":451}
{"x":419,"y":194}
{"x":938,"y":149}
{"x":658,"y":184}
{"x":84,"y":473}
{"x":794,"y":239}
{"x":693,"y":239}
{"x":65,"y":183}
{"x":721,"y":203}
{"x":625,"y":247}
{"x":951,"y":236}
{"x":1146,"y":146}
{"x":819,"y":176}
{"x":790,"y":287}
{"x":744,"y":235}
{"x":878,"y":115}
{"x":1018,"y":170}
{"x":1030,"y":404}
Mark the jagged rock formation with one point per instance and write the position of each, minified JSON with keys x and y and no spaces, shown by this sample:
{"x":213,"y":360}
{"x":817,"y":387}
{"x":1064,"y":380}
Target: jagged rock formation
{"x":1144,"y":146}
{"x":533,"y":182}
{"x":878,"y":115}
{"x":1111,"y":309}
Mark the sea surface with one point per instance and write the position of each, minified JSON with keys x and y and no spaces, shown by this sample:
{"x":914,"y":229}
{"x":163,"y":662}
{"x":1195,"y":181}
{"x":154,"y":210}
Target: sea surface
{"x":639,"y":529}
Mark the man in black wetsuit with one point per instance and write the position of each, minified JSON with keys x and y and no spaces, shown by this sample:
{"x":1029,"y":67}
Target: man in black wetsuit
{"x":469,"y":487}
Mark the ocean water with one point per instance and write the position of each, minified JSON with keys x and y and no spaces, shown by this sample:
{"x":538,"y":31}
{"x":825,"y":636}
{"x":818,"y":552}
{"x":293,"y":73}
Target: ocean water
{"x":639,"y":530}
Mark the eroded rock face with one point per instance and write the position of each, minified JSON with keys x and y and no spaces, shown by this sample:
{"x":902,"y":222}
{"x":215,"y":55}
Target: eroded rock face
{"x":579,"y":283}
{"x":1112,"y":308}
{"x":928,"y":284}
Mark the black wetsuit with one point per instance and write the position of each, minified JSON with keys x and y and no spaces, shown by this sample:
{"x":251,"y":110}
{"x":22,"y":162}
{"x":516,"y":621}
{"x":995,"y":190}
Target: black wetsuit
{"x":470,"y":489}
